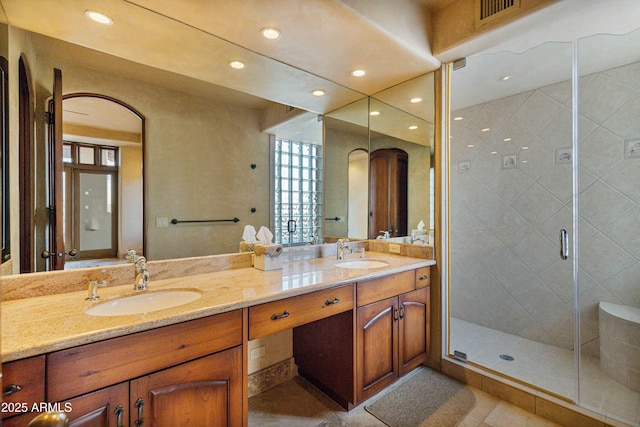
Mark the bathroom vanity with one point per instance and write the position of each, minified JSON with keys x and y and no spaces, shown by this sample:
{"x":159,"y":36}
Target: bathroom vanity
{"x":356,"y":330}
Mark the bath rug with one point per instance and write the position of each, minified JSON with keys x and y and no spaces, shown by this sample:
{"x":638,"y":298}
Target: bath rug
{"x":427,"y":399}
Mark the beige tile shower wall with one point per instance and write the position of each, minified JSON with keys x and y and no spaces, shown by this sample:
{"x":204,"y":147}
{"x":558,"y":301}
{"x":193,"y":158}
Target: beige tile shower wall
{"x":506,"y":272}
{"x":197,"y":159}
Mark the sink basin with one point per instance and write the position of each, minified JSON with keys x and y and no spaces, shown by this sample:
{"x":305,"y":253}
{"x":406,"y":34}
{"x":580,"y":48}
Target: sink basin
{"x":144,"y":302}
{"x":362,"y":263}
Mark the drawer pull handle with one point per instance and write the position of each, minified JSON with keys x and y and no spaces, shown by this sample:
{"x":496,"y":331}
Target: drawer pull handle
{"x":139,"y":405}
{"x":335,"y":301}
{"x":402,"y":311}
{"x":11,"y":389}
{"x":280,"y":316}
{"x":395,"y":313}
{"x":425,"y":277}
{"x":119,"y":413}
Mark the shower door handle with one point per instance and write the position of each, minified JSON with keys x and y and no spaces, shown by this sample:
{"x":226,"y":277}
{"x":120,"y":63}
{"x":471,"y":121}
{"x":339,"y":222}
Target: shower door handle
{"x":564,"y":244}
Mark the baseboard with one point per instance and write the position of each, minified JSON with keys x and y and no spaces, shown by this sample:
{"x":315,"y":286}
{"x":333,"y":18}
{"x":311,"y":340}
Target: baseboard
{"x":267,"y":378}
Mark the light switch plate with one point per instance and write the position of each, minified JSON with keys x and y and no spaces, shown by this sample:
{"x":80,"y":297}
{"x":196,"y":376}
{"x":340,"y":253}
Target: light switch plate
{"x":162,"y":222}
{"x":394,"y":248}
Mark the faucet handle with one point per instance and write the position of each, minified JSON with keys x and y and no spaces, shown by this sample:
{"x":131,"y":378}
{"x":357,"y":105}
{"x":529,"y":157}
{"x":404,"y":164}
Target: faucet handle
{"x":93,"y":289}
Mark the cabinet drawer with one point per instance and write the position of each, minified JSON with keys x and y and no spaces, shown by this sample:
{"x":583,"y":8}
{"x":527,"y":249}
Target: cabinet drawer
{"x":82,"y":369}
{"x":276,"y":316}
{"x":423,"y":277}
{"x":385,"y":287}
{"x":24,"y":381}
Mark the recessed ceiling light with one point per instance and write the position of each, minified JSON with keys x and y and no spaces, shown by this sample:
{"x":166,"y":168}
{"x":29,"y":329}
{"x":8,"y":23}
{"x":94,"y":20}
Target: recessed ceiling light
{"x":505,"y":78}
{"x":470,"y":145}
{"x":318,"y":92}
{"x":270,"y":33}
{"x":457,"y":118}
{"x":494,"y":152}
{"x":415,"y":100}
{"x":525,"y":148}
{"x":237,"y":65}
{"x":358,"y":73}
{"x":507,"y":139}
{"x":98,"y":17}
{"x":374,"y":113}
{"x":486,"y":129}
{"x":413,"y":127}
{"x":525,"y":161}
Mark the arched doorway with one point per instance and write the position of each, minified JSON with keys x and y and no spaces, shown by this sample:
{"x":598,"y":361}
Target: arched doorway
{"x":103,"y":187}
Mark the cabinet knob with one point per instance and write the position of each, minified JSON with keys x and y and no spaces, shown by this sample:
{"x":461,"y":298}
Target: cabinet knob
{"x":50,"y":419}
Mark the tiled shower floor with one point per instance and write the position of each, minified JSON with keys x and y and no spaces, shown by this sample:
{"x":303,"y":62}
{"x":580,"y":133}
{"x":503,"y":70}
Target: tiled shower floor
{"x":547,"y":367}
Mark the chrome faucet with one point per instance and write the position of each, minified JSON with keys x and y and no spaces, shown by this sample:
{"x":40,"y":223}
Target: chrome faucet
{"x":93,"y":289}
{"x":141,"y":282}
{"x":342,"y":247}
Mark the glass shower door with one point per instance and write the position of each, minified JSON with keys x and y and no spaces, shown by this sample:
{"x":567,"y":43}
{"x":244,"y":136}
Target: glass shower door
{"x":511,"y":293}
{"x":609,"y":227}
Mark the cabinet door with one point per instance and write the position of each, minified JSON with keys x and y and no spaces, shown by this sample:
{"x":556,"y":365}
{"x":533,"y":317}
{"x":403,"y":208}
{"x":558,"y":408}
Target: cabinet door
{"x":204,"y":392}
{"x":104,"y":408}
{"x":377,"y":346}
{"x":413,"y":329}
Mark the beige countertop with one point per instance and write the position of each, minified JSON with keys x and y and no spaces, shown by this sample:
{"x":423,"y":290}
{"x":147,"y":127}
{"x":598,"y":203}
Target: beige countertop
{"x":39,"y":325}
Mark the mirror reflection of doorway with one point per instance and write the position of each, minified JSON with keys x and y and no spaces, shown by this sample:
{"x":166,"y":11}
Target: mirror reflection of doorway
{"x":389,"y":171}
{"x":103,"y":190}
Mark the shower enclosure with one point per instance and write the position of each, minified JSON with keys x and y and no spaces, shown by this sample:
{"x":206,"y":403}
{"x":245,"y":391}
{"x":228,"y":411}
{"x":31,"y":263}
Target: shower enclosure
{"x":544,"y":219}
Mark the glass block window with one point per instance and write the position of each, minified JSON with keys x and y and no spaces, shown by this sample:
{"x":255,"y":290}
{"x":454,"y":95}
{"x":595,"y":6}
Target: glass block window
{"x":297,"y":192}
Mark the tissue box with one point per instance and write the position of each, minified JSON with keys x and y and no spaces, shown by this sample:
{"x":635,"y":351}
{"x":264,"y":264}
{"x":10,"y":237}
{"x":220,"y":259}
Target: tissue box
{"x":267,"y":257}
{"x":245,"y":247}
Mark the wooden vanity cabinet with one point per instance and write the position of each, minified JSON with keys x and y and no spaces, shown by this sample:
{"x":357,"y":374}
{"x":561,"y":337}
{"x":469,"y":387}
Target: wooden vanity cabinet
{"x":102,"y":408}
{"x":271,"y":317}
{"x":204,"y":392}
{"x":392,"y":338}
{"x":189,"y":373}
{"x":355,"y":354}
{"x":22,"y":385}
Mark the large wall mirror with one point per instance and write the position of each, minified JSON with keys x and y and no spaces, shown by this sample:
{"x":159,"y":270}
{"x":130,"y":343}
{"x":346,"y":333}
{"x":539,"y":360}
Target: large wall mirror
{"x":379,"y":171}
{"x":207,"y":137}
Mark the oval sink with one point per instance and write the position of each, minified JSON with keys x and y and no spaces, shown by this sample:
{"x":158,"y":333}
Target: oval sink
{"x":144,"y":302}
{"x":362,"y":263}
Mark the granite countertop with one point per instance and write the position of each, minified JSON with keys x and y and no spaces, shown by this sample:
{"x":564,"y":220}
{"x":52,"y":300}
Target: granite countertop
{"x":43,"y":324}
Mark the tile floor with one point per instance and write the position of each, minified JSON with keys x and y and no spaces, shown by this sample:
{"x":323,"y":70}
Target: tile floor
{"x":296,"y":403}
{"x":548,"y":367}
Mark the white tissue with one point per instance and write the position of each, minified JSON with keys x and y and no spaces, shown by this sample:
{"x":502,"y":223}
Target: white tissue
{"x":249,"y":234}
{"x":421,"y":225}
{"x":264,"y":236}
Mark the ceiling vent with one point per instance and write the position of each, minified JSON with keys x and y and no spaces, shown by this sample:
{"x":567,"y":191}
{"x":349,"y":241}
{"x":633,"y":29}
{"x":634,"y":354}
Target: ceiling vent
{"x":489,"y":10}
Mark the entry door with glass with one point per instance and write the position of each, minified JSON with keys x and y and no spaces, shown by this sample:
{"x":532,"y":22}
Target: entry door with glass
{"x":91,"y":208}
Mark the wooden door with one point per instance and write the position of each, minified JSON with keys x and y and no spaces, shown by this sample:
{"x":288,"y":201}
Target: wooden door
{"x":413,"y":340}
{"x":377,"y":346}
{"x":55,"y":231}
{"x":388,"y":193}
{"x":204,"y":392}
{"x":104,"y":408}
